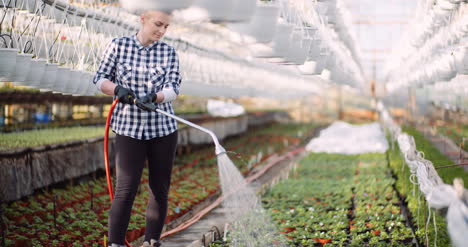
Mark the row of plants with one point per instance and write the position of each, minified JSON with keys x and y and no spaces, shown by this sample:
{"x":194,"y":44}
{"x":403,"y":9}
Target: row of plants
{"x":55,"y":135}
{"x":77,"y":215}
{"x":35,"y":138}
{"x":437,"y":157}
{"x":456,"y":134}
{"x":62,"y":123}
{"x":430,"y":231}
{"x":357,"y":203}
{"x":337,"y":200}
{"x":378,"y":218}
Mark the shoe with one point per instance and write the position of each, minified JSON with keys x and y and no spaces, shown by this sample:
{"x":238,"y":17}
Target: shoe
{"x":152,"y":243}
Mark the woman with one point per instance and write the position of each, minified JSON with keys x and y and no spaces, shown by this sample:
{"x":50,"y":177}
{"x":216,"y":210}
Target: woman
{"x":141,"y":67}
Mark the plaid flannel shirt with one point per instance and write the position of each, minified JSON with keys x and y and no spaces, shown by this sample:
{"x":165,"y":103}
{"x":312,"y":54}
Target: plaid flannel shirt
{"x":142,"y":69}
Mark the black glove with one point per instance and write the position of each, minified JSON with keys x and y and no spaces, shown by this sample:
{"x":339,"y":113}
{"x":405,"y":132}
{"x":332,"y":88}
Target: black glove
{"x":149,"y":98}
{"x":146,"y":106}
{"x":124,"y":95}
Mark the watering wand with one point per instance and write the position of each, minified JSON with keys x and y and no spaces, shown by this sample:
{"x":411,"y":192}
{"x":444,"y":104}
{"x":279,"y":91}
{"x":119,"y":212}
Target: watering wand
{"x":152,"y":107}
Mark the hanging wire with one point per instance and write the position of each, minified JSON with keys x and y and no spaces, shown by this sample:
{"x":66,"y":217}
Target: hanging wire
{"x":419,"y":208}
{"x":61,"y":45}
{"x":3,"y":226}
{"x":81,"y":47}
{"x":3,"y":36}
{"x":52,"y":55}
{"x":435,"y":231}
{"x":426,"y":226}
{"x":75,"y":52}
{"x":51,"y":52}
{"x":27,"y":48}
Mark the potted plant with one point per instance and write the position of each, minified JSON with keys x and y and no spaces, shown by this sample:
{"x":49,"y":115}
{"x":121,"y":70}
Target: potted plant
{"x":282,"y":39}
{"x":216,"y":11}
{"x":299,"y":48}
{"x":262,"y":26}
{"x":446,"y":69}
{"x":138,"y":7}
{"x":49,"y":77}
{"x":461,"y":59}
{"x":36,"y":72}
{"x":92,"y":89}
{"x":8,"y":58}
{"x":62,"y":80}
{"x":74,"y":82}
{"x":22,"y":67}
{"x":242,"y":10}
{"x":83,"y":83}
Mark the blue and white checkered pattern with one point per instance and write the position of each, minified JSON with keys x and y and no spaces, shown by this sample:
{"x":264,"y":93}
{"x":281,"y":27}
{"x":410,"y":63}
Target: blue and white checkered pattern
{"x":142,"y":69}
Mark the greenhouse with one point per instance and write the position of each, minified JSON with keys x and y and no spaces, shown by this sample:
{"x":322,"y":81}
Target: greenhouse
{"x":233,"y":123}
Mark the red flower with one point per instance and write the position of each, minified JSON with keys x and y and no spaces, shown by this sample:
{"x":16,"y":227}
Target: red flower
{"x":289,"y":229}
{"x":322,"y":241}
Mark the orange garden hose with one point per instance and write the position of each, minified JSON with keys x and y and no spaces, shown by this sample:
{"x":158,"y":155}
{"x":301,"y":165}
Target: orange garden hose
{"x":106,"y":150}
{"x":200,"y":214}
{"x":106,"y":156}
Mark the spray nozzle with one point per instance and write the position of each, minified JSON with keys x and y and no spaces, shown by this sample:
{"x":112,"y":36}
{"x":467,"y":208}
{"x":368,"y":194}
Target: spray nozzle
{"x":219,"y":150}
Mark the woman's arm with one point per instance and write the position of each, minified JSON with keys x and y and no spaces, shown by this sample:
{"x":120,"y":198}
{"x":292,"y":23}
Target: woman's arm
{"x":107,"y":87}
{"x":172,"y":80}
{"x":105,"y":75}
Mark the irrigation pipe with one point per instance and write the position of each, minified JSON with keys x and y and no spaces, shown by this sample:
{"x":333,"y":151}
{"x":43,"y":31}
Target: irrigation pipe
{"x":461,"y":164}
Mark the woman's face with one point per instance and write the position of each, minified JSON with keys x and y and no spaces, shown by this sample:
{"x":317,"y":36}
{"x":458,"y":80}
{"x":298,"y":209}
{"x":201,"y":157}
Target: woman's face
{"x":155,"y":24}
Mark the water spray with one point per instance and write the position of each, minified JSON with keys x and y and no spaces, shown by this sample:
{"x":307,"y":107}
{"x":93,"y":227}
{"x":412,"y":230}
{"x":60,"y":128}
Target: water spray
{"x":149,"y":107}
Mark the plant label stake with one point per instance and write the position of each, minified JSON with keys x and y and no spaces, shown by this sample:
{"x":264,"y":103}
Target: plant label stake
{"x":92,"y":196}
{"x":2,"y":227}
{"x":55,"y":211}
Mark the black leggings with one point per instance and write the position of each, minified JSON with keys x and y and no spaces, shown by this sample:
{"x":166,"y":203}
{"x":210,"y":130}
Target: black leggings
{"x":131,"y":156}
